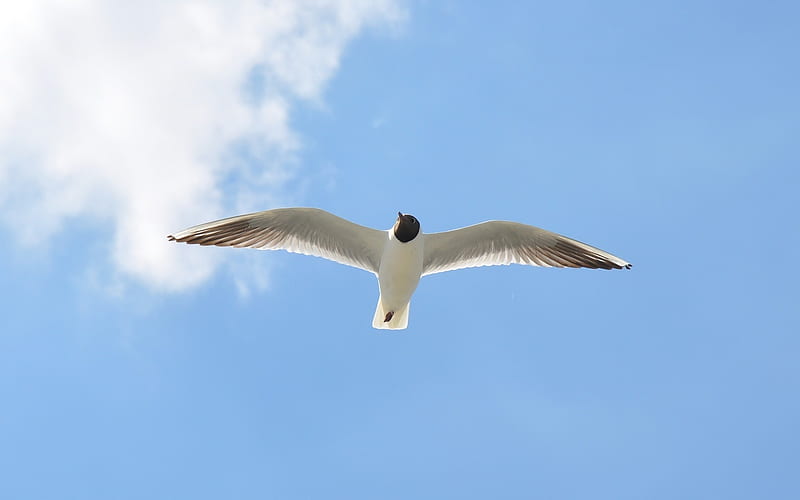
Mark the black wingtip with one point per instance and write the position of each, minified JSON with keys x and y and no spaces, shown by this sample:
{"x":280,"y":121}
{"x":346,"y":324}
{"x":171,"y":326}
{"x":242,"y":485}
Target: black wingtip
{"x":628,"y":266}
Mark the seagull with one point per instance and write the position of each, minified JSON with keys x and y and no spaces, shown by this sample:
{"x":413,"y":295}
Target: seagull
{"x":401,"y":255}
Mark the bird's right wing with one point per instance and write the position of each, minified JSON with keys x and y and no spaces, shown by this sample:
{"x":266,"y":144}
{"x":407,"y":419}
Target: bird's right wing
{"x":308,"y":231}
{"x":496,"y":243}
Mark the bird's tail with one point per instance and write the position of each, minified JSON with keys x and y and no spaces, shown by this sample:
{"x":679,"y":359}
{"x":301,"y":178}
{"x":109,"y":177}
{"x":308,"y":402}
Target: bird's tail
{"x":399,"y":319}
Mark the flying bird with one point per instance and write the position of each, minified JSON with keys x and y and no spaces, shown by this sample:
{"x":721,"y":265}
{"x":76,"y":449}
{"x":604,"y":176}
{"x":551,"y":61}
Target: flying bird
{"x":401,"y":255}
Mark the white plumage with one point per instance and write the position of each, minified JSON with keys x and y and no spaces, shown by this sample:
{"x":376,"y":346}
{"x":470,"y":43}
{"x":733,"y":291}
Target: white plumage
{"x":401,"y":255}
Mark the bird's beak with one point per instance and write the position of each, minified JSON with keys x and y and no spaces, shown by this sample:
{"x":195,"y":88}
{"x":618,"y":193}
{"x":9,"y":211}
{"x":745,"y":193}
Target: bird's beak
{"x":399,"y":214}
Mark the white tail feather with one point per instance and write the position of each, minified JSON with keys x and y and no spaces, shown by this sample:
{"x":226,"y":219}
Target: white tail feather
{"x":399,"y":320}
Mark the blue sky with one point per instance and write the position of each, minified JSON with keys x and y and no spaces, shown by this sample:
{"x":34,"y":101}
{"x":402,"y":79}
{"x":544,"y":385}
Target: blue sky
{"x":663,"y":132}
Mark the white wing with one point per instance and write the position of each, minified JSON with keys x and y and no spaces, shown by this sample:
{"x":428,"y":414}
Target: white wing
{"x":497,"y":243}
{"x":308,"y":231}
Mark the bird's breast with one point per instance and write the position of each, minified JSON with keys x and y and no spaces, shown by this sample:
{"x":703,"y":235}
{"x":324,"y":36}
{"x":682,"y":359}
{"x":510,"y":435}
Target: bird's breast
{"x":400,"y":270}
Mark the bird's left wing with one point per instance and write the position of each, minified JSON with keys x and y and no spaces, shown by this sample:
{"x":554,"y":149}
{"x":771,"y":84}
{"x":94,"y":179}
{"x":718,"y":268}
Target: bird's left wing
{"x":308,"y":231}
{"x":500,"y":242}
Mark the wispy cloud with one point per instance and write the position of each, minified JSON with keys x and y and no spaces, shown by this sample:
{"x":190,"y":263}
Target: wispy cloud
{"x":150,"y":116}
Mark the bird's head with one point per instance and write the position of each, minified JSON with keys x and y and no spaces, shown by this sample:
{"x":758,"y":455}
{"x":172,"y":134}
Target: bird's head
{"x":406,"y":228}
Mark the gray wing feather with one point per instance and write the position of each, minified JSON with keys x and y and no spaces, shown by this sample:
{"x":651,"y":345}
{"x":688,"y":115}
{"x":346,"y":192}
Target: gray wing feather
{"x":308,"y":231}
{"x":497,"y":243}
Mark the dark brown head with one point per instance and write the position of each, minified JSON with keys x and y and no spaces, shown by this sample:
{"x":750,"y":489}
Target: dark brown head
{"x":406,"y":228}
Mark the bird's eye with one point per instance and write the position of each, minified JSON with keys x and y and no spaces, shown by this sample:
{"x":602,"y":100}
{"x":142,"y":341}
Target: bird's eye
{"x":413,"y":219}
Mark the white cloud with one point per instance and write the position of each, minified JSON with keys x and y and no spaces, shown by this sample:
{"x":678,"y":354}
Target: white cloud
{"x":141,"y":115}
